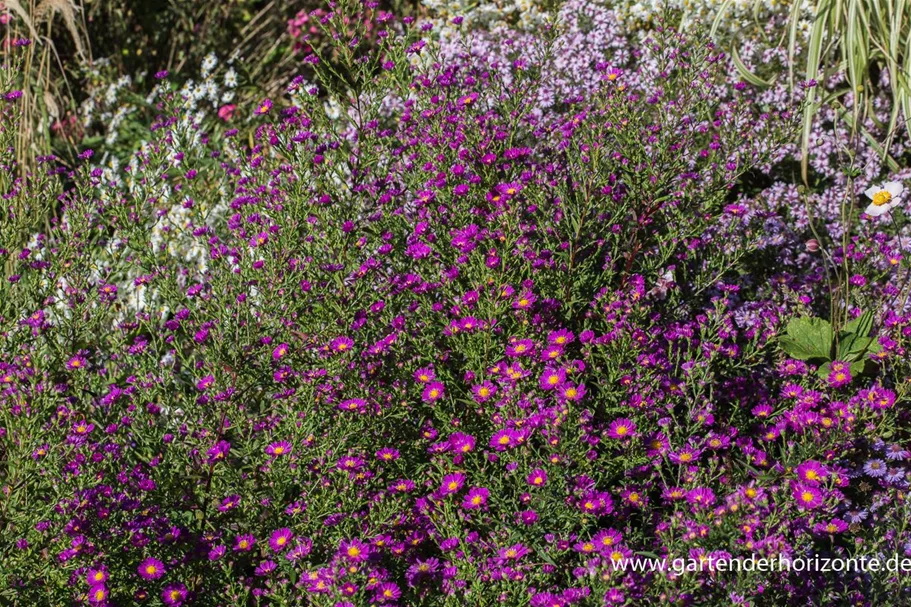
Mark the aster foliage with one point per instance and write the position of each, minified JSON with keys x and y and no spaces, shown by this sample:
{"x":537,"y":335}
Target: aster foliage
{"x":428,"y":331}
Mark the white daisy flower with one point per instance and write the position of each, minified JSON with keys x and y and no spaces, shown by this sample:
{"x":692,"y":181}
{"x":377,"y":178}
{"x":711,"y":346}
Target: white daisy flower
{"x":209,"y":63}
{"x":885,"y":196}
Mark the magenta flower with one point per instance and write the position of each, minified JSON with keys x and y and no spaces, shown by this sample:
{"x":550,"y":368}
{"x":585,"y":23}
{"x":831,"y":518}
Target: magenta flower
{"x":811,"y":473}
{"x":353,"y":404}
{"x":354,"y":551}
{"x":839,"y":374}
{"x":476,"y":498}
{"x":280,"y":351}
{"x":151,"y":569}
{"x":512,"y":553}
{"x":433,"y":392}
{"x":174,"y":595}
{"x":807,"y":496}
{"x":387,"y":592}
{"x":452,"y":483}
{"x":552,"y":379}
{"x":264,"y":107}
{"x":537,"y":478}
{"x":98,"y":594}
{"x":387,"y":454}
{"x":280,"y":539}
{"x":76,"y":362}
{"x":278,"y":448}
{"x":521,"y":347}
{"x":244,"y":543}
{"x":424,"y":375}
{"x":341,"y":344}
{"x":461,"y":443}
{"x":219,"y":451}
{"x":834,"y":526}
{"x":97,"y":576}
{"x":572,"y":393}
{"x":622,"y":428}
{"x":205,"y":383}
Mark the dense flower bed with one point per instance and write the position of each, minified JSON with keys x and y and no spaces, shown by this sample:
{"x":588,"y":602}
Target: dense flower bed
{"x":457,"y":323}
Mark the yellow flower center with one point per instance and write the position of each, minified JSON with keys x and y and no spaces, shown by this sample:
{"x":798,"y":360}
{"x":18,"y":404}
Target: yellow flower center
{"x":882,"y":197}
{"x":354,"y":551}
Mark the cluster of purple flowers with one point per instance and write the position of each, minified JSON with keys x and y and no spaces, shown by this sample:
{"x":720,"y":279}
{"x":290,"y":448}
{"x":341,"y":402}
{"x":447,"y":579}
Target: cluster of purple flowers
{"x":451,"y":344}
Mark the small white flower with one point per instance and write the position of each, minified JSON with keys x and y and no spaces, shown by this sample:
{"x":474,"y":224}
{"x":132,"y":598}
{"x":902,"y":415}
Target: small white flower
{"x":885,"y":196}
{"x":209,"y":63}
{"x":231,"y":78}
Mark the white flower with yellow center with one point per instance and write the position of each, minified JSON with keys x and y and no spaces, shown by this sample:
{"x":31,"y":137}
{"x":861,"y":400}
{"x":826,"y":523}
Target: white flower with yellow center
{"x":885,"y":196}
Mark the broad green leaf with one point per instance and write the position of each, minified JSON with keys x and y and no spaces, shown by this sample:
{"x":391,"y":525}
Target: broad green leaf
{"x":860,"y":325}
{"x":853,"y":346}
{"x":808,"y":339}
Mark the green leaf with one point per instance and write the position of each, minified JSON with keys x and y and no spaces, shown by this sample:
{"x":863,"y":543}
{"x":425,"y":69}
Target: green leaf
{"x":808,"y":339}
{"x":860,"y":325}
{"x":853,"y":341}
{"x":851,"y":347}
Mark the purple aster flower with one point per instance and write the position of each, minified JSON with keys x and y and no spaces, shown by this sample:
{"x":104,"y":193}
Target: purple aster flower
{"x":537,"y":478}
{"x":244,"y":543}
{"x":265,"y":568}
{"x":807,"y":496}
{"x":279,"y":351}
{"x":76,"y":362}
{"x":433,"y":392}
{"x":386,"y":592}
{"x":174,"y":594}
{"x":875,"y":468}
{"x":552,"y":379}
{"x":264,"y":107}
{"x":452,"y":483}
{"x":476,"y":498}
{"x":832,"y":527}
{"x":622,"y":428}
{"x":97,"y":576}
{"x":387,"y":454}
{"x":354,"y":551}
{"x":461,"y":443}
{"x":280,"y":539}
{"x":219,"y":451}
{"x":151,"y":569}
{"x":278,"y":448}
{"x":98,"y":594}
{"x":571,"y":392}
{"x":811,"y":472}
{"x":341,"y":344}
